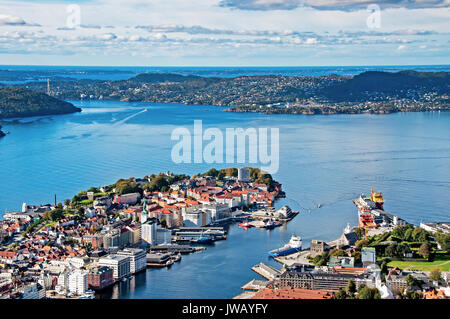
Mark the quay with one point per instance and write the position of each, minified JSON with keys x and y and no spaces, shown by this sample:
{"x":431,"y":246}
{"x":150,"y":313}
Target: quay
{"x":295,"y":258}
{"x":266,"y":271}
{"x":174,"y":248}
{"x":255,"y":285}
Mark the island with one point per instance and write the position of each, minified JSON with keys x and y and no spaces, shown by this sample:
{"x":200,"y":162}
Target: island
{"x":17,"y":102}
{"x":368,"y":92}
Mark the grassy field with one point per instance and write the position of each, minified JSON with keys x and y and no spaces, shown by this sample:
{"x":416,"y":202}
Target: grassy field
{"x":440,"y":262}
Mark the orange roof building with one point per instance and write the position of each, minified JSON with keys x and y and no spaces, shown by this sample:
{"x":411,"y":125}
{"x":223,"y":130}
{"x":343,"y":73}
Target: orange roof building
{"x":292,"y":293}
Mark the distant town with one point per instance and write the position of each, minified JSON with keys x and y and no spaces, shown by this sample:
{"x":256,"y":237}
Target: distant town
{"x":106,"y":234}
{"x":369,"y":92}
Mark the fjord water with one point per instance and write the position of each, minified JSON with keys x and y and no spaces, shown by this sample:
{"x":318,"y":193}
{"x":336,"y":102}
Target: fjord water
{"x":327,"y":160}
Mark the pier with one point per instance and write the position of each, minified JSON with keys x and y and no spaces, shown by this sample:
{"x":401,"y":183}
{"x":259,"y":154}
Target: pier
{"x":266,"y":271}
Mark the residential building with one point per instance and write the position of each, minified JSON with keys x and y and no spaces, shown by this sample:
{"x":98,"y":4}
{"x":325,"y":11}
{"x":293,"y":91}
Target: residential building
{"x":119,"y":264}
{"x":78,"y":282}
{"x":100,"y":278}
{"x":137,"y":258}
{"x":148,"y":231}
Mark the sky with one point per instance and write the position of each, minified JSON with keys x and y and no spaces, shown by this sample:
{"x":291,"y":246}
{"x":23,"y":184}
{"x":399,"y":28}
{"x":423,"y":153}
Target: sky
{"x":224,"y":32}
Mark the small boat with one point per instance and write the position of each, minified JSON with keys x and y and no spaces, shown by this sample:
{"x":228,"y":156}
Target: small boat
{"x":319,"y":205}
{"x":246,"y":225}
{"x":169,"y":263}
{"x":270,"y":225}
{"x":176,"y":258}
{"x":202,"y":240}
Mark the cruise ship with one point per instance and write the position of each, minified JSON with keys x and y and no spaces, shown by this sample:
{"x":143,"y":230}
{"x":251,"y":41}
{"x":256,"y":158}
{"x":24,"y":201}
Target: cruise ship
{"x":294,"y":245}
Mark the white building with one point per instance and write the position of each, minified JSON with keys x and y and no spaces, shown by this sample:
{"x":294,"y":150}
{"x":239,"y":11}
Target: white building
{"x":78,"y":282}
{"x":137,"y":256}
{"x":217,"y":211}
{"x":148,"y":232}
{"x":244,"y":174}
{"x":63,"y":283}
{"x":32,"y":291}
{"x":197,"y":218}
{"x":119,"y":264}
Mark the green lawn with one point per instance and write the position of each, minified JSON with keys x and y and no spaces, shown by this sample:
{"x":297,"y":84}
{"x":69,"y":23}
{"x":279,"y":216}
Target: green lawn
{"x":440,"y":262}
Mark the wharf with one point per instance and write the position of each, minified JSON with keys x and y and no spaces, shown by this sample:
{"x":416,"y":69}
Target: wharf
{"x":295,"y":258}
{"x":182,"y":249}
{"x":266,"y":271}
{"x":255,"y":285}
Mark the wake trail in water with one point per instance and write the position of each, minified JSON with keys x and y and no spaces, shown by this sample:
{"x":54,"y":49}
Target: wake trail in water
{"x":129,"y":117}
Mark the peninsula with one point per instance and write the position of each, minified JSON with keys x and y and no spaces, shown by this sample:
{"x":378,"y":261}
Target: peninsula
{"x":17,"y":102}
{"x":368,"y":92}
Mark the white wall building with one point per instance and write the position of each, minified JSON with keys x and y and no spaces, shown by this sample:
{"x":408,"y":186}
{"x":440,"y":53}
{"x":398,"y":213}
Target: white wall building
{"x":244,"y":174}
{"x":149,"y":231}
{"x":78,"y":282}
{"x":119,"y":264}
{"x":138,"y":259}
{"x":197,"y":218}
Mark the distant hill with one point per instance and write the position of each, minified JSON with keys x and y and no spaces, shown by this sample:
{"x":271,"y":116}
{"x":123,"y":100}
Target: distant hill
{"x":387,"y":83}
{"x":15,"y":102}
{"x":162,"y":77}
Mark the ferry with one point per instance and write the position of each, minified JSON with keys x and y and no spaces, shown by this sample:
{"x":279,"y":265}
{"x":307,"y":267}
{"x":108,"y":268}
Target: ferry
{"x":294,"y":245}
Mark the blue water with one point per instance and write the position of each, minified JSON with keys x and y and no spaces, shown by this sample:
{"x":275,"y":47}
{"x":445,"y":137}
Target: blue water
{"x":323,"y":159}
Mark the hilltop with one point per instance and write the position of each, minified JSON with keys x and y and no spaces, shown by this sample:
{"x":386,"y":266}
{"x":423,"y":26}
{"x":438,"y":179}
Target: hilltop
{"x":16,"y":102}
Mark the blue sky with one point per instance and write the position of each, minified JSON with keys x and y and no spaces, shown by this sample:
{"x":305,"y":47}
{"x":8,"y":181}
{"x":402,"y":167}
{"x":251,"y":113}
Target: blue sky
{"x":225,"y":32}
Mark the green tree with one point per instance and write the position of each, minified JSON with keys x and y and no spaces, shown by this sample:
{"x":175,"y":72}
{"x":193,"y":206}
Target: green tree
{"x":425,"y":250}
{"x":443,"y":240}
{"x":362,"y":243}
{"x":340,"y":294}
{"x":351,"y":287}
{"x":337,"y":252}
{"x":435,"y":275}
{"x":369,"y":293}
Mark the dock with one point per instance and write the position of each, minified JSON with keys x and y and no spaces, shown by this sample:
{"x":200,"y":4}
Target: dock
{"x":174,"y":248}
{"x":295,"y":258}
{"x":266,"y":271}
{"x":255,"y":285}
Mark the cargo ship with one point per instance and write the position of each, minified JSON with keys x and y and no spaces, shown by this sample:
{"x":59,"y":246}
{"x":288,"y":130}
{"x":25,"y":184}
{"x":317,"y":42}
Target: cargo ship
{"x":294,"y":245}
{"x":377,"y":198}
{"x":366,"y":219}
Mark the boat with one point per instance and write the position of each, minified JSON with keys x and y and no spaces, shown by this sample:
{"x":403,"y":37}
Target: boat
{"x":363,"y":202}
{"x":169,"y":263}
{"x":377,"y":198}
{"x":202,"y":240}
{"x":270,"y":225}
{"x":176,"y":258}
{"x":294,"y":245}
{"x":319,"y":205}
{"x":246,"y":224}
